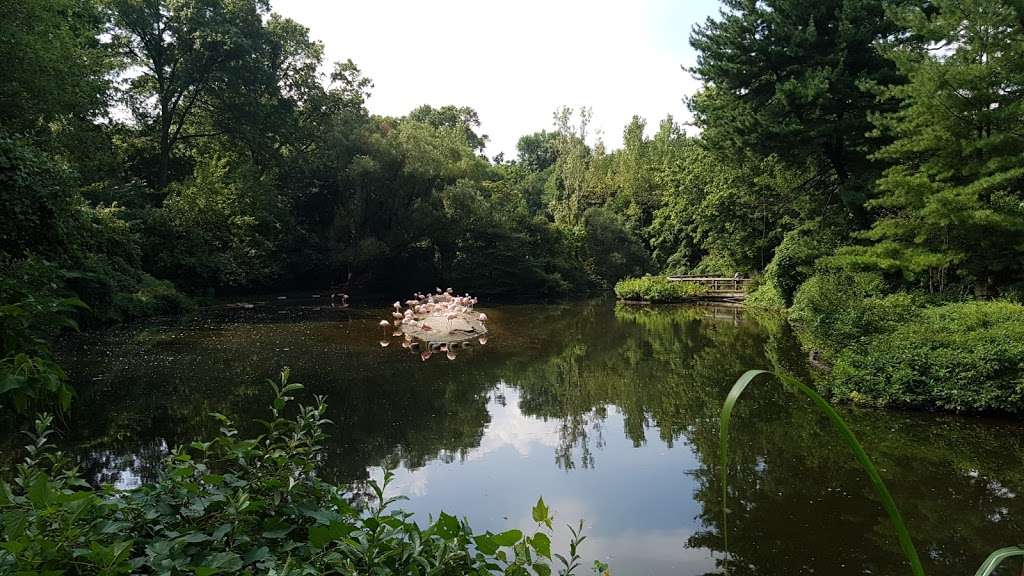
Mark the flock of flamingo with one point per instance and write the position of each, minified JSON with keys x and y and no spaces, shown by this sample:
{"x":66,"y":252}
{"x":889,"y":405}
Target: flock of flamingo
{"x":435,"y":323}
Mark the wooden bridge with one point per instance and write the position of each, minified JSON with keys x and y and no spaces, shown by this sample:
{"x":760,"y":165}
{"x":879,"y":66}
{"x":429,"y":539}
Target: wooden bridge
{"x":720,"y":288}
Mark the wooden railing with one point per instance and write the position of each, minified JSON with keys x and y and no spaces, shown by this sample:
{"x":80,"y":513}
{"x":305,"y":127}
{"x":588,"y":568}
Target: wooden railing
{"x":717,"y":284}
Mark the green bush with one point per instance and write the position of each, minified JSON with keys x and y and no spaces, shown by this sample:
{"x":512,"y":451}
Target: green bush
{"x":794,"y":260}
{"x":152,"y":298}
{"x":965,"y":357}
{"x":715,"y":264}
{"x":657,"y":289}
{"x":766,"y":296}
{"x":31,"y":311}
{"x":833,"y":310}
{"x":40,"y":203}
{"x":235,"y":505}
{"x":226,"y":225}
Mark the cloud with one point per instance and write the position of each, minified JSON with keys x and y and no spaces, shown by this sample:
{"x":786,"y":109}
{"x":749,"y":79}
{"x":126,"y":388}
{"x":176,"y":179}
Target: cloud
{"x":509,"y":427}
{"x":515,"y":63}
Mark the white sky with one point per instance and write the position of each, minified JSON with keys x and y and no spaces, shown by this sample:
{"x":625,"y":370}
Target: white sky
{"x":516,"y":62}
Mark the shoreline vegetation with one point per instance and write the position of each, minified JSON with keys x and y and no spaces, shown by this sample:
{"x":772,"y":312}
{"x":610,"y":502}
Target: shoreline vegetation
{"x":153,"y":155}
{"x":897,"y":350}
{"x":235,"y":505}
{"x":657,"y":290}
{"x":263,"y":170}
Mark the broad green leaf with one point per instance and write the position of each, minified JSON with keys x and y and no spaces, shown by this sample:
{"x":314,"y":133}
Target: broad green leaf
{"x":541,"y":514}
{"x":256,"y":555}
{"x":508,"y":538}
{"x":486,"y":544}
{"x":221,"y":531}
{"x":447,"y":526}
{"x":39,"y":490}
{"x":320,"y":536}
{"x":277,"y":532}
{"x":542,"y":544}
{"x":225,"y":561}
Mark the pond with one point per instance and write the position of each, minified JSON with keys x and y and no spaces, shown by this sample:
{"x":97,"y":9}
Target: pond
{"x":610,"y":413}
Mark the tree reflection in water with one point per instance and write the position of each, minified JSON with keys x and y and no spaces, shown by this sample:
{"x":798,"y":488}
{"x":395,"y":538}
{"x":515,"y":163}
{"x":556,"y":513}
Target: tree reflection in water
{"x":576,"y":372}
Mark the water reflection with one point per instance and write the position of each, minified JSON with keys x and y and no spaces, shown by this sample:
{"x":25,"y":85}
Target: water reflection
{"x":610,"y":413}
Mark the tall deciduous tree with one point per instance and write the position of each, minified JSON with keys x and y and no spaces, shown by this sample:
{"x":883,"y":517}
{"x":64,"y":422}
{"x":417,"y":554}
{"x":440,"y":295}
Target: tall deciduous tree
{"x":462,"y":118}
{"x":182,"y":50}
{"x":574,"y":158}
{"x":52,"y":64}
{"x":538,"y":151}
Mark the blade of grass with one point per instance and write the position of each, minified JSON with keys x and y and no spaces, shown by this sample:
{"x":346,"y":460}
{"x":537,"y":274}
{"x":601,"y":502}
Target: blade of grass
{"x":906,"y":543}
{"x":996,"y":558}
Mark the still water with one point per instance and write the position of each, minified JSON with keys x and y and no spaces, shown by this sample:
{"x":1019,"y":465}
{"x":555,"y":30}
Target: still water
{"x":610,"y":413}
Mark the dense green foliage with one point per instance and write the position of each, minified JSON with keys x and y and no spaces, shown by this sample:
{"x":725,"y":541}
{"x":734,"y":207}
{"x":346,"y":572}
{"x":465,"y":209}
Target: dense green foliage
{"x":903,"y":350}
{"x":824,"y":126}
{"x":657,"y":289}
{"x":902,"y":122}
{"x":834,"y":310}
{"x":958,"y":357}
{"x":236,"y":505}
{"x":30,"y":378}
{"x":949,"y":205}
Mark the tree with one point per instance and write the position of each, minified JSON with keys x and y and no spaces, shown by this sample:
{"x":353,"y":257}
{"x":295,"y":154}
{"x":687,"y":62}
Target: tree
{"x":184,"y":50}
{"x":538,"y":151}
{"x":791,"y":77}
{"x":574,"y":156}
{"x":258,"y":100}
{"x":52,"y":64}
{"x":951,"y":205}
{"x":613,"y":251}
{"x":462,"y":118}
{"x":637,"y":195}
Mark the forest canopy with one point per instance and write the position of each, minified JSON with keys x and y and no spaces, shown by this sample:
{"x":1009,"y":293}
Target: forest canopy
{"x":217,"y":149}
{"x":151,"y":149}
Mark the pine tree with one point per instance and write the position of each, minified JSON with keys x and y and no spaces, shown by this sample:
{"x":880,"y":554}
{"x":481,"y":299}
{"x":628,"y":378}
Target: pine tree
{"x":951,"y":207}
{"x":791,"y":77}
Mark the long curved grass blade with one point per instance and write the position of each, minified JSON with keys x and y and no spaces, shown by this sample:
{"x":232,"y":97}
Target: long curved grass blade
{"x":723,"y":439}
{"x":906,"y":543}
{"x":996,"y":558}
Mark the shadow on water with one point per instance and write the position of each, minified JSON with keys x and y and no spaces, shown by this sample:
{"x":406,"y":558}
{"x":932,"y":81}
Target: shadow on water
{"x":610,"y":412}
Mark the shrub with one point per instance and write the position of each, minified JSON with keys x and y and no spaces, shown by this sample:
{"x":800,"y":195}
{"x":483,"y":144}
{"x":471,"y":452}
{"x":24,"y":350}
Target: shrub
{"x":39,"y":200}
{"x":235,"y":505}
{"x":657,"y":289}
{"x":715,"y":264}
{"x":965,"y":357}
{"x":226,"y":224}
{"x":152,"y":298}
{"x":833,"y":310}
{"x":766,"y":296}
{"x":31,"y":312}
{"x":794,"y":260}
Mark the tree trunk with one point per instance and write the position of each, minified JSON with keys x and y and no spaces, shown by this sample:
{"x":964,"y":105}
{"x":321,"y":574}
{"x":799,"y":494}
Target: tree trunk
{"x":984,"y":288}
{"x":165,"y":148}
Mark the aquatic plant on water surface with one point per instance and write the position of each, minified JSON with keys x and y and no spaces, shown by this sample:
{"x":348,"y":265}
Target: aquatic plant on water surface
{"x":235,"y":505}
{"x":988,"y":567}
